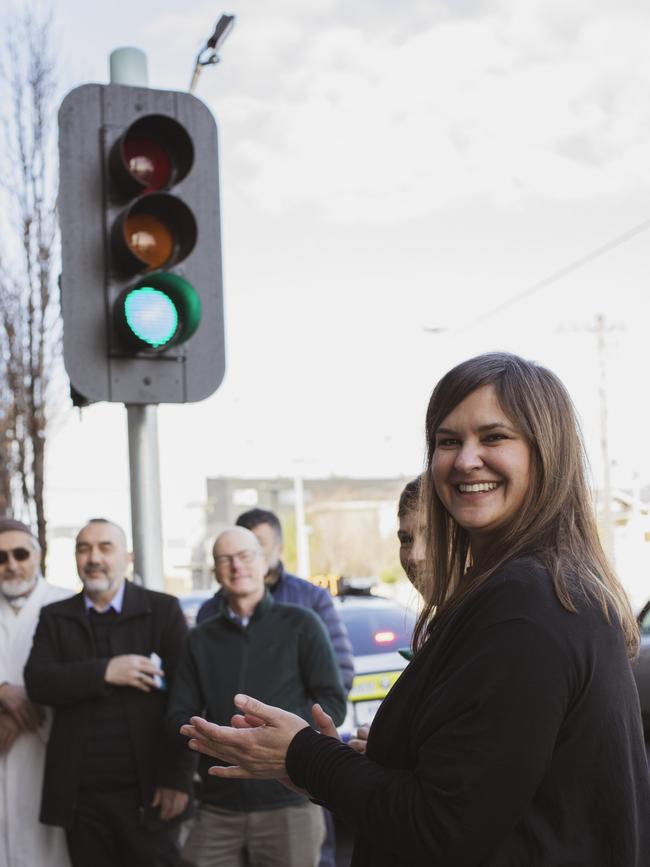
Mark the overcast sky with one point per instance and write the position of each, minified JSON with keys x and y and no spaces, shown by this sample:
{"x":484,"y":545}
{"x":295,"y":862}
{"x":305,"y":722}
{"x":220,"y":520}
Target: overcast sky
{"x":386,"y":169}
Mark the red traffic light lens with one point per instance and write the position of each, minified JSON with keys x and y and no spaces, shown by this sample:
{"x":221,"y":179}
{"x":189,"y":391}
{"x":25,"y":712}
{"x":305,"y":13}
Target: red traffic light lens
{"x":153,"y":154}
{"x":148,"y":162}
{"x":149,"y":239}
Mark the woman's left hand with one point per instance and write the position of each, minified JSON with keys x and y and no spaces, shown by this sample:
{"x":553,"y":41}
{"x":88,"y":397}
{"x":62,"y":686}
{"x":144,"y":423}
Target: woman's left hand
{"x":258,"y":752}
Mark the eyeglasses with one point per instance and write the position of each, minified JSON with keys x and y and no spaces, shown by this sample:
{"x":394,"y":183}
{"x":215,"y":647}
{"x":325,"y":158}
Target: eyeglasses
{"x":244,"y":557}
{"x":19,"y":554}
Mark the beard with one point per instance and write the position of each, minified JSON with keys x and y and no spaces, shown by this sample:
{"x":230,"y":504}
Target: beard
{"x":97,"y":585}
{"x":13,"y":588}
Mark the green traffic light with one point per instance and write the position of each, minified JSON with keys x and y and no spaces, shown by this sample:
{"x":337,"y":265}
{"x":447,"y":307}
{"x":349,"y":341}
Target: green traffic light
{"x":160,"y":311}
{"x":151,"y":315}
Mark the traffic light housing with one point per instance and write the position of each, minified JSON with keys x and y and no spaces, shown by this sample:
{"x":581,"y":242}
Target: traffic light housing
{"x":141,"y":287}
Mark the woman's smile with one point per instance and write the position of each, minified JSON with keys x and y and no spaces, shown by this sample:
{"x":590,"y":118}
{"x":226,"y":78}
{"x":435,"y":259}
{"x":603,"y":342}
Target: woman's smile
{"x":481,"y":464}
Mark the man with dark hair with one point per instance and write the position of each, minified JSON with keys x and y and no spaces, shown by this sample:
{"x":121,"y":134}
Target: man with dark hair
{"x":289,"y":588}
{"x":113,"y":779}
{"x":24,"y":726}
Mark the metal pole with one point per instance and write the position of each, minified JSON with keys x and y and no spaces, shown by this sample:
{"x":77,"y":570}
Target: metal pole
{"x":302,"y":545}
{"x":129,"y":66}
{"x":607,"y":525}
{"x":146,"y":518}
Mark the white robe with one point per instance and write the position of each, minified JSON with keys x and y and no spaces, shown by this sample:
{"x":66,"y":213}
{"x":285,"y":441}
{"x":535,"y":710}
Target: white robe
{"x":24,"y":841}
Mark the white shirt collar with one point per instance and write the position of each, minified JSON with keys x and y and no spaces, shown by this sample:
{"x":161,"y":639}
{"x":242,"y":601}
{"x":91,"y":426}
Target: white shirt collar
{"x":116,"y":602}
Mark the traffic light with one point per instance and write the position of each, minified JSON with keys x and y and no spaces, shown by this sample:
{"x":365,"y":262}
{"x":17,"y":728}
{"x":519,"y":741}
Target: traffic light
{"x":141,"y":289}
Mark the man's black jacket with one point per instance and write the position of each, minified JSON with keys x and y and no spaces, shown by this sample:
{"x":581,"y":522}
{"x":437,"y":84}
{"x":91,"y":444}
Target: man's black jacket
{"x":63,"y":672}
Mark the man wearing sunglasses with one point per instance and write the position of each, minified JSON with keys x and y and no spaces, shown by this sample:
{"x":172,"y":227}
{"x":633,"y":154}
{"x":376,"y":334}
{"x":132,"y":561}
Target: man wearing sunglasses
{"x":256,"y":645}
{"x":24,"y":726}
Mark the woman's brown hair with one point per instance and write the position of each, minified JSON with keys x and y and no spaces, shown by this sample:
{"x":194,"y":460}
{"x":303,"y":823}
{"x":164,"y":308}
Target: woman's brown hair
{"x":556,"y":523}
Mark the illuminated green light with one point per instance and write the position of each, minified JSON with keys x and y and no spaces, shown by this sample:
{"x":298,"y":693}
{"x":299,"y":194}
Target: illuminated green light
{"x":151,"y":315}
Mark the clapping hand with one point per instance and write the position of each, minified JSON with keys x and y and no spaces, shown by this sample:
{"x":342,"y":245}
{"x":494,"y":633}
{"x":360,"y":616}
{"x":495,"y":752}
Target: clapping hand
{"x":255,"y":746}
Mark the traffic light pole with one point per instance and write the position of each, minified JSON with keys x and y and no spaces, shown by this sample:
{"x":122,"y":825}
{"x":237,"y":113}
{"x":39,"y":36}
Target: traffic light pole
{"x":129,"y":66}
{"x":144,"y":469}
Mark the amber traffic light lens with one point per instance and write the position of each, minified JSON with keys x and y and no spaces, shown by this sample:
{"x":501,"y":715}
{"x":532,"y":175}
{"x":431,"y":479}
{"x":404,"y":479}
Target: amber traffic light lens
{"x":149,"y":239}
{"x":148,"y":162}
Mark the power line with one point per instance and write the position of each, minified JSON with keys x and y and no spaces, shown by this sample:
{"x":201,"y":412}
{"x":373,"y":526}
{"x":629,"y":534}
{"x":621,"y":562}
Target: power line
{"x":562,"y":272}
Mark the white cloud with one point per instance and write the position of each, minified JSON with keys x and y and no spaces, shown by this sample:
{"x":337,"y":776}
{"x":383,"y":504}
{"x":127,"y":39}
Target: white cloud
{"x":506,"y":106}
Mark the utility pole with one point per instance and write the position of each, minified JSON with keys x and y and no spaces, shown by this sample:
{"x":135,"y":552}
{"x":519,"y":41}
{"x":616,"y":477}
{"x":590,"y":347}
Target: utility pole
{"x":606,"y":516}
{"x":605,"y":513}
{"x":302,"y":543}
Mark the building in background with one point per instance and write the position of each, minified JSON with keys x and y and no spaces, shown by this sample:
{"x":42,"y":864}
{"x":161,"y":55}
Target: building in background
{"x":350,"y":529}
{"x":350,"y":523}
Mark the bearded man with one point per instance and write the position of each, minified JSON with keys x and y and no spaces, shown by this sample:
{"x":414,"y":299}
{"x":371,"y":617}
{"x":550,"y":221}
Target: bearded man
{"x":113,"y":780}
{"x":24,"y":726}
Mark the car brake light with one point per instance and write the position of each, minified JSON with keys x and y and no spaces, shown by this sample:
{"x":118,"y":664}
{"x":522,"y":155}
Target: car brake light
{"x":385,"y":637}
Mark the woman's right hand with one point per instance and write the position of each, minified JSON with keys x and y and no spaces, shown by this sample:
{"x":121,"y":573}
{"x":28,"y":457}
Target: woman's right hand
{"x":322,"y":721}
{"x":359,"y":743}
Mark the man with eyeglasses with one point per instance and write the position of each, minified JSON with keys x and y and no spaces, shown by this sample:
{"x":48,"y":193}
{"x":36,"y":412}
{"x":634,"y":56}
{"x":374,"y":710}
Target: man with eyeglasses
{"x":113,"y":778}
{"x":265,"y":525}
{"x":258,"y":646}
{"x":24,"y":726}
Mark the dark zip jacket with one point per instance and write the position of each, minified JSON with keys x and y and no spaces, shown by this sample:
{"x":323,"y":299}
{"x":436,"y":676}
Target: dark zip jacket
{"x":298,"y":591}
{"x":513,"y":739}
{"x":283,"y":658}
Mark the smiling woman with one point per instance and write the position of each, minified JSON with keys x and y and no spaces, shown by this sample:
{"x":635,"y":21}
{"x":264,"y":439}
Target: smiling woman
{"x":514,"y":735}
{"x":481,"y":465}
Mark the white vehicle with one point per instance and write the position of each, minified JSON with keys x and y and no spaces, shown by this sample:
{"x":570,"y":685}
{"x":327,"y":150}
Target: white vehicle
{"x":379,"y":629}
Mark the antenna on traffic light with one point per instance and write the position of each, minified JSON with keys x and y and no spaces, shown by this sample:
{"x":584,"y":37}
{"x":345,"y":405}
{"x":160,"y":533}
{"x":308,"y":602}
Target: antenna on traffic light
{"x":209,"y":55}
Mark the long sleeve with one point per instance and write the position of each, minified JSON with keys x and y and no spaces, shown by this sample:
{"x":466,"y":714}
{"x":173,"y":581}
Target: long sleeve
{"x":474,"y":773}
{"x":177,"y":764}
{"x":296,"y":590}
{"x":186,"y":698}
{"x":50,"y":680}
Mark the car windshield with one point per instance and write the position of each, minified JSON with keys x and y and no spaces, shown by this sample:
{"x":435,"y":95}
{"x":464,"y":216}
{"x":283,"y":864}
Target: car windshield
{"x":377,"y":628}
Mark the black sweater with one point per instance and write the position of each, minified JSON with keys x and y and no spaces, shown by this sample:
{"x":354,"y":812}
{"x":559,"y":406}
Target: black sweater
{"x":108,"y":762}
{"x":513,"y":739}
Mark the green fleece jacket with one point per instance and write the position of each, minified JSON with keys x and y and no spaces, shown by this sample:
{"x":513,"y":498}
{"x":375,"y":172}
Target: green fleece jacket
{"x":283,"y":657}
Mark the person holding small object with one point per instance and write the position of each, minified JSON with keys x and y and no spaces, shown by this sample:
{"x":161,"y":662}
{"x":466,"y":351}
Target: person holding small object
{"x":514,"y":735}
{"x":113,"y":779}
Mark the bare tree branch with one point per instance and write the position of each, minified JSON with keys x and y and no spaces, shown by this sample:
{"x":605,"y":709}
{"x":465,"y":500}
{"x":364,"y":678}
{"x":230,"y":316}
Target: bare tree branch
{"x":30,"y":337}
